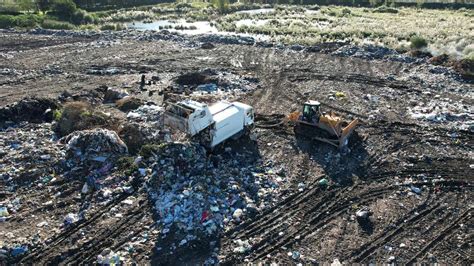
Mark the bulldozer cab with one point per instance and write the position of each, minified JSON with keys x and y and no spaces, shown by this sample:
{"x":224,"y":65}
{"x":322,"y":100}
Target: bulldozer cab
{"x":311,"y":111}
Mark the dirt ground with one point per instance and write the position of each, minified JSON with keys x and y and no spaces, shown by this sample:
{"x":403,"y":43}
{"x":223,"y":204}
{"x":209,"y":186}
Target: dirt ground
{"x":415,"y":175}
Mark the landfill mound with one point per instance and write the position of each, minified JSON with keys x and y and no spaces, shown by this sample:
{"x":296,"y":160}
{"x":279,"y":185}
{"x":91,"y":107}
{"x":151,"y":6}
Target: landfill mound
{"x":90,"y":174}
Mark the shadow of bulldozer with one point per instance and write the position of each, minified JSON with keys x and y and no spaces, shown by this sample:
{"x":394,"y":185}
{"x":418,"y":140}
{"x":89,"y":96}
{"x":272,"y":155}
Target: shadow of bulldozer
{"x":338,"y":166}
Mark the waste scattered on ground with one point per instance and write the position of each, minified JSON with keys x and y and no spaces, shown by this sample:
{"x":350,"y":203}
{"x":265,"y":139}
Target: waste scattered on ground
{"x":111,"y":186}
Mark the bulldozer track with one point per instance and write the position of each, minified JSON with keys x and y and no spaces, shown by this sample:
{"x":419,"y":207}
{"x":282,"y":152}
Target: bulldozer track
{"x":301,"y":207}
{"x":268,"y":223}
{"x":103,"y":239}
{"x":355,"y":78}
{"x":446,"y":231}
{"x":56,"y":241}
{"x":366,"y":250}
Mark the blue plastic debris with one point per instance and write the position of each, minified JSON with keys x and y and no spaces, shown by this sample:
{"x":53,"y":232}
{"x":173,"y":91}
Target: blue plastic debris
{"x":211,"y":87}
{"x":18,"y":251}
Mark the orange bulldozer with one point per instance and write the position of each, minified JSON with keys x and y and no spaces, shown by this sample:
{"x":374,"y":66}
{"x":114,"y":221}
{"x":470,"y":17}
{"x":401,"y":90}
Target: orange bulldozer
{"x":325,"y":127}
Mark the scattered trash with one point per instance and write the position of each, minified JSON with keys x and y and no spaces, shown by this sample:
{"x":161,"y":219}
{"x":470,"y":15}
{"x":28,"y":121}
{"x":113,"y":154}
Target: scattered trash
{"x":323,"y":182}
{"x":3,"y":214}
{"x":211,"y":87}
{"x":19,"y":250}
{"x":108,"y":257}
{"x":415,"y":189}
{"x":71,"y":218}
{"x":42,"y":224}
{"x":242,"y":246}
{"x":146,"y":113}
{"x":295,"y":255}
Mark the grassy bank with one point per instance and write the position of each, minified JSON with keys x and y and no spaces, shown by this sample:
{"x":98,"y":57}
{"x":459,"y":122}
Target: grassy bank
{"x":445,"y":31}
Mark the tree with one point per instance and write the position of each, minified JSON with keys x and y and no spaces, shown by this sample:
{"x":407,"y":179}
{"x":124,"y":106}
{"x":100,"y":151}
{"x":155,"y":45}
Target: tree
{"x":43,"y":5}
{"x":221,"y":5}
{"x":26,"y":5}
{"x":64,"y":9}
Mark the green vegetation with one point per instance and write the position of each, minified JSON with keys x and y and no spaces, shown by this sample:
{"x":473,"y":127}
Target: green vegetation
{"x":57,"y":114}
{"x":127,"y":165}
{"x":444,"y":31}
{"x":148,"y":150}
{"x":52,"y":14}
{"x":23,"y":21}
{"x":57,"y":25}
{"x":221,"y":5}
{"x":417,"y":42}
{"x":385,"y":9}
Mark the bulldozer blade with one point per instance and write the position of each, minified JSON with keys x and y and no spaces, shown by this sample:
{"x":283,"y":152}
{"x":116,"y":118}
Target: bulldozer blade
{"x":346,"y":133}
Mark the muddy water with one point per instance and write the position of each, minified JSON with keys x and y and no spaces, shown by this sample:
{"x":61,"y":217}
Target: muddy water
{"x":197,"y":27}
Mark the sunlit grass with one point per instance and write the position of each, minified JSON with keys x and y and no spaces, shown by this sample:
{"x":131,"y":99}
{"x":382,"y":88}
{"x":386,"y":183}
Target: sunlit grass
{"x":447,"y":31}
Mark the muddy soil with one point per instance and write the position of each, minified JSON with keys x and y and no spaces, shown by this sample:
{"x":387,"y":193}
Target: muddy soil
{"x":413,"y":172}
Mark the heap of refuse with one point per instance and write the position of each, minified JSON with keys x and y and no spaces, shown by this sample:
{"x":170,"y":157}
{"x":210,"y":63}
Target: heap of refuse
{"x":35,"y":110}
{"x":371,"y":52}
{"x":452,"y":114}
{"x":29,"y":153}
{"x":93,"y":148}
{"x":146,"y":113}
{"x":197,"y":198}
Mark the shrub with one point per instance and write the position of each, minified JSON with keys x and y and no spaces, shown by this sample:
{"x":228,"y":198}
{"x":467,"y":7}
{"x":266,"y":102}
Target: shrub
{"x":56,"y":25}
{"x":7,"y":21}
{"x":9,"y":9}
{"x":148,"y":150}
{"x":129,"y":103}
{"x":111,"y":26}
{"x":346,"y":11}
{"x":221,"y":5}
{"x":127,"y":165}
{"x":183,"y":6}
{"x":80,"y":116}
{"x":417,"y":42}
{"x":28,"y":21}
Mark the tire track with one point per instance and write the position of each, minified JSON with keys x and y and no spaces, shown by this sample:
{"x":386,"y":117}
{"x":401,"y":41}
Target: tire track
{"x":366,"y":250}
{"x":57,"y":241}
{"x":89,"y":250}
{"x":466,"y":215}
{"x":270,"y":240}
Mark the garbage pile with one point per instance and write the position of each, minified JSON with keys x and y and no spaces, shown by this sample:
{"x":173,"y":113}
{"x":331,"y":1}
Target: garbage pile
{"x":452,"y":114}
{"x":371,"y":52}
{"x":35,"y":110}
{"x":197,"y":197}
{"x":29,"y":153}
{"x":146,"y":113}
{"x":217,"y":82}
{"x":93,"y":148}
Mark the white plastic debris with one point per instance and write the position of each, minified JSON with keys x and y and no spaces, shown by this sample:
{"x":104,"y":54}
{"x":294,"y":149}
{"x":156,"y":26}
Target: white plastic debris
{"x":71,"y":218}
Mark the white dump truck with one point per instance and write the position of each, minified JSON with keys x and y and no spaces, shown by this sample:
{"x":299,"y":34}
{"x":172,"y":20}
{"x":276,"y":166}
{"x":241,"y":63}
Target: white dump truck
{"x":211,"y":124}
